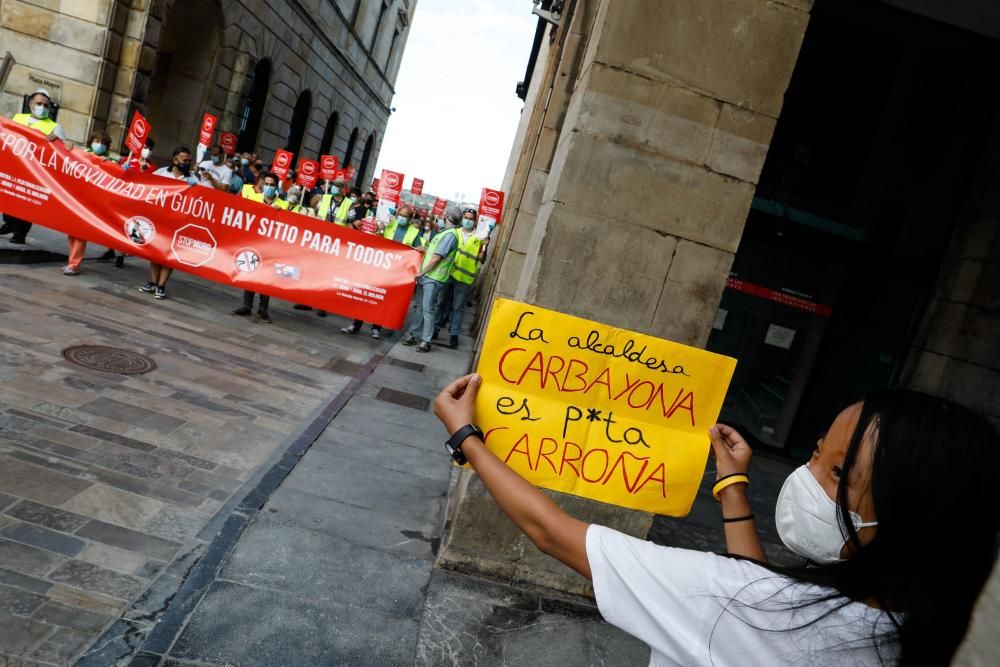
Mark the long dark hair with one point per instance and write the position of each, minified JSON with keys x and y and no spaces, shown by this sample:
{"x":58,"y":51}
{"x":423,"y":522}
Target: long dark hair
{"x":933,"y":485}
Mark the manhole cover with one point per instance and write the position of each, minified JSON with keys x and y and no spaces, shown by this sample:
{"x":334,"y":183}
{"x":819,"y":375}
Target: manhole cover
{"x":109,"y":359}
{"x":403,"y":398}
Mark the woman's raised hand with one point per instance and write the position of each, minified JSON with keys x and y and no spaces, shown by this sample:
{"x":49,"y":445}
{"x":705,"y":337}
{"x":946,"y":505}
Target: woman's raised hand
{"x":455,"y":406}
{"x":732,"y":453}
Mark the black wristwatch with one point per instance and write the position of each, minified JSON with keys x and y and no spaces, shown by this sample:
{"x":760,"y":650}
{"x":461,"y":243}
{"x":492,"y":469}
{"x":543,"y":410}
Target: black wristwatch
{"x":454,"y":443}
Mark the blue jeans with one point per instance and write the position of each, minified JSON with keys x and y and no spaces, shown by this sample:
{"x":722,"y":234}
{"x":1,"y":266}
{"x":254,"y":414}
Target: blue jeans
{"x":459,"y":296}
{"x":423,"y":327}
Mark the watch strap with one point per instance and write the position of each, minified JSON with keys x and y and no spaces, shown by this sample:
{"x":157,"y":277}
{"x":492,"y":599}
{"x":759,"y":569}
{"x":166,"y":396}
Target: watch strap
{"x":454,"y":443}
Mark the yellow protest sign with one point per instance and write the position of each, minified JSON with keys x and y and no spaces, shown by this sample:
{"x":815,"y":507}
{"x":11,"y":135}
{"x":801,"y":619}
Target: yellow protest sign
{"x":596,"y":411}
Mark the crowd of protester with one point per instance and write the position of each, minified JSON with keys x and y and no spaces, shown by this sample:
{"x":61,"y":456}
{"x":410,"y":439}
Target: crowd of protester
{"x":451,"y":249}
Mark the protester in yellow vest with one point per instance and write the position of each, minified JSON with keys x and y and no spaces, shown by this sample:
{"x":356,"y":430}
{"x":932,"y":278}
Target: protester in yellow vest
{"x":335,"y":205}
{"x":432,"y":277}
{"x":268,"y":196}
{"x":39,"y":107}
{"x":470,"y":252}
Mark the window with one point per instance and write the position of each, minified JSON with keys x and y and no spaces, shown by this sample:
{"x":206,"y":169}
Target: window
{"x":392,"y":49}
{"x":329,"y":134}
{"x":366,"y":157}
{"x":253,"y":110}
{"x":378,"y":24}
{"x":300,"y":117}
{"x":349,"y":153}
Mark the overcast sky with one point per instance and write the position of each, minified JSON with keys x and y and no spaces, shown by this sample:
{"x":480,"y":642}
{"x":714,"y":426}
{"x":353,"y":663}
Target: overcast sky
{"x":456,"y":109}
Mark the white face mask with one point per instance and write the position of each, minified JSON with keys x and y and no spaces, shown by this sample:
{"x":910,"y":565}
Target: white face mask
{"x":144,"y":153}
{"x":808,"y":521}
{"x":40,"y":111}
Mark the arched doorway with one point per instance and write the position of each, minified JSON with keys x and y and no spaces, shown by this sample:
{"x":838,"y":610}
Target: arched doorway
{"x":349,"y":153}
{"x":329,"y":133}
{"x":366,"y":157}
{"x":184,"y":70}
{"x":253,"y":111}
{"x":297,"y":128}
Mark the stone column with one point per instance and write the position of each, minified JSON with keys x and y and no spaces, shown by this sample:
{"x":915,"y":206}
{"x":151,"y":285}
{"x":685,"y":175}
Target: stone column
{"x":641,"y":206}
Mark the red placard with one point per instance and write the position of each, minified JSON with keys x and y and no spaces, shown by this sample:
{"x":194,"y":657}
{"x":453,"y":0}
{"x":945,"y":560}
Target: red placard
{"x":340,"y":175}
{"x":228,"y":142}
{"x":282,"y":163}
{"x":207,"y":129}
{"x":439,"y":206}
{"x":350,"y":173}
{"x":205,"y":232}
{"x":491,"y":204}
{"x":389,"y":186}
{"x":308,"y":173}
{"x":418,"y":186}
{"x":328,"y":167}
{"x":138,"y":132}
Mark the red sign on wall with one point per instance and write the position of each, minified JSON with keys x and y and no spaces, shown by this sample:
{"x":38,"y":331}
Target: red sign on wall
{"x":211,"y":234}
{"x":418,"y":186}
{"x":282,"y":163}
{"x":207,"y":129}
{"x":138,"y":132}
{"x":228,"y":142}
{"x":328,"y":167}
{"x":308,"y":173}
{"x":780,"y":296}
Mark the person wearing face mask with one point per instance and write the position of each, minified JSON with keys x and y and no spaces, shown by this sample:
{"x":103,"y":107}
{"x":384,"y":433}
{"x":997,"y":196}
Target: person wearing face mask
{"x":470,"y":253}
{"x":432,"y":277}
{"x":213,"y":172}
{"x":244,"y":169}
{"x":37,"y":118}
{"x":98,"y":146}
{"x":895,"y":513}
{"x":179,"y":169}
{"x":236,"y":182}
{"x":267,"y":196}
{"x":142,"y":161}
{"x":295,"y":202}
{"x":334,"y":205}
{"x":252,"y":184}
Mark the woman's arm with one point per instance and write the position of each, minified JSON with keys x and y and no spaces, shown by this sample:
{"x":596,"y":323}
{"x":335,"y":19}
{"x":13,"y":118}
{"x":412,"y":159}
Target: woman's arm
{"x":551,"y":529}
{"x":732,"y":456}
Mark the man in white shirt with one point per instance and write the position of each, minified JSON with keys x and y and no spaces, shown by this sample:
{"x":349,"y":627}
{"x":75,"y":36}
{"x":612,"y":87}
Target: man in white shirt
{"x":213,"y":172}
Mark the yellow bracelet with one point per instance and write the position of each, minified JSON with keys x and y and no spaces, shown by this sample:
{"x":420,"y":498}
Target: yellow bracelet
{"x":729,"y":480}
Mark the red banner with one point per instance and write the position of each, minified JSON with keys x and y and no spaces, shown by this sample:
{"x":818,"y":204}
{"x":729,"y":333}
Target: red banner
{"x":439,"y":206}
{"x":491,"y":204}
{"x":228,"y":142}
{"x":308,"y":173}
{"x":138,"y":131}
{"x":207,"y":130}
{"x":203,"y":231}
{"x":418,"y":186}
{"x":328,"y":167}
{"x":282,"y":163}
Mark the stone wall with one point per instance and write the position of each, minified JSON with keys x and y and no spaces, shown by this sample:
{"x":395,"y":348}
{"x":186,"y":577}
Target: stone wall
{"x":629,"y":197}
{"x":103,"y":55}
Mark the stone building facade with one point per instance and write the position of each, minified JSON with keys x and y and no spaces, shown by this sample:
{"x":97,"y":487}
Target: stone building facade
{"x":717,"y":172}
{"x":314,"y":76}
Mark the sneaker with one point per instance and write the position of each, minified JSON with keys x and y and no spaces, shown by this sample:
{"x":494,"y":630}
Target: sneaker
{"x":120,"y":261}
{"x":409,"y":341}
{"x":242,"y":311}
{"x":300,"y":306}
{"x":320,"y":313}
{"x":453,"y":342}
{"x":148,"y":288}
{"x":424,"y":346}
{"x":160,"y":293}
{"x":377,"y":334}
{"x":20,"y":240}
{"x":264,"y":317}
{"x":108,"y":256}
{"x":349,"y":330}
{"x":70,"y":271}
{"x":436,"y":332}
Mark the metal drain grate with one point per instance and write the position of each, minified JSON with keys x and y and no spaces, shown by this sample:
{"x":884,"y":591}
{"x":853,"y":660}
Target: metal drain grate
{"x":408,"y":365}
{"x":403,"y":398}
{"x":344,"y":367}
{"x":109,"y":359}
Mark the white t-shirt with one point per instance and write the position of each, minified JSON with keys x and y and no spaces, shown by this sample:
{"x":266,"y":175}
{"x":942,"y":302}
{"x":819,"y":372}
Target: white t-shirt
{"x":695,"y":608}
{"x":168,"y":172}
{"x":221,"y":172}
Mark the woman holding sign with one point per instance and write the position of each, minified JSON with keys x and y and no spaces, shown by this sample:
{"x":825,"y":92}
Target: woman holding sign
{"x":895,"y":511}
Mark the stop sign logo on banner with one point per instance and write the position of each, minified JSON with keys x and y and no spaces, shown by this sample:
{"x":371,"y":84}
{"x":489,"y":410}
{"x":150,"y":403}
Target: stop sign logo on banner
{"x":137,"y":133}
{"x":418,"y":186}
{"x":228,"y":142}
{"x":193,"y":245}
{"x":490,"y":209}
{"x":328,"y":167}
{"x":389,"y":187}
{"x":308,"y":173}
{"x":282,"y":162}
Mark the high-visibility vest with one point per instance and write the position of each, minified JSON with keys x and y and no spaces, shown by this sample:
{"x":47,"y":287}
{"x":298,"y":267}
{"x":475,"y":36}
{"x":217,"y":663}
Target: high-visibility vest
{"x":325,"y":202}
{"x":412,"y":232}
{"x":340,"y":217}
{"x":466,"y":259}
{"x":440,"y":272}
{"x":248,"y":189}
{"x":301,"y":210}
{"x":259,"y":197}
{"x":46,"y":125}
